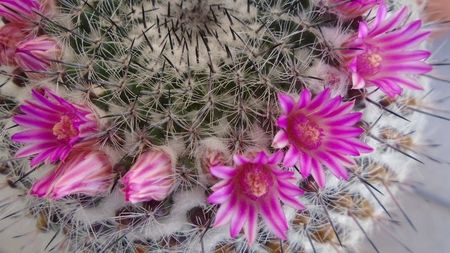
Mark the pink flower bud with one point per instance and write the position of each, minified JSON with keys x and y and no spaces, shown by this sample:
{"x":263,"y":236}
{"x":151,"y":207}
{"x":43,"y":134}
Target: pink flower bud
{"x":85,"y":171}
{"x":10,"y":36}
{"x":26,"y":11}
{"x":212,"y":152}
{"x":352,"y":9}
{"x":150,"y":178}
{"x":210,"y":159}
{"x":38,"y":54}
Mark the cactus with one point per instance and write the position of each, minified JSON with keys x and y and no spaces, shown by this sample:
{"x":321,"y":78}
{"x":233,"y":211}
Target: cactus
{"x":187,"y":85}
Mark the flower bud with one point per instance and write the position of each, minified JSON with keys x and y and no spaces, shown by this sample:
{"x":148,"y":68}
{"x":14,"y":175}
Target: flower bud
{"x":11,"y":35}
{"x":38,"y":54}
{"x":26,"y":11}
{"x":150,"y":178}
{"x":212,"y":152}
{"x":351,"y":9}
{"x":85,"y":171}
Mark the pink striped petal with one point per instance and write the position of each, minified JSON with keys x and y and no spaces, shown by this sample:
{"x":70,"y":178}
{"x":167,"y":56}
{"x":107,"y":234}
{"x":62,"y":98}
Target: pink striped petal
{"x":305,"y":98}
{"x":224,"y":172}
{"x":239,"y":160}
{"x":291,"y":157}
{"x":291,"y":201}
{"x":318,"y":173}
{"x":250,"y":226}
{"x":305,"y":165}
{"x":221,"y":195}
{"x":238,"y":219}
{"x":338,"y":170}
{"x":225,"y":212}
{"x":286,"y":102}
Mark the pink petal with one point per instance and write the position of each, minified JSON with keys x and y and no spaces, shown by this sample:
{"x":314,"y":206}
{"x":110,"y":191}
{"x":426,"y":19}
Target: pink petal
{"x":291,"y":157}
{"x":250,"y":226}
{"x":391,"y":23}
{"x":282,"y":121}
{"x":349,"y":119}
{"x":347,"y":131}
{"x":291,"y":201}
{"x":305,"y":98}
{"x":363,"y":30}
{"x":289,"y":188}
{"x":224,"y":172}
{"x":41,"y":157}
{"x":358,"y":81}
{"x":239,"y":218}
{"x":320,"y":99}
{"x":318,"y":173}
{"x":225,"y":212}
{"x":305,"y":165}
{"x":33,"y":135}
{"x":276,"y":223}
{"x":276,"y":158}
{"x":27,"y":121}
{"x":337,"y":169}
{"x":240,"y":160}
{"x":359,"y":145}
{"x":286,"y":103}
{"x":33,"y":149}
{"x":280,"y":140}
{"x":221,"y":195}
{"x":341,"y":147}
{"x":404,"y":81}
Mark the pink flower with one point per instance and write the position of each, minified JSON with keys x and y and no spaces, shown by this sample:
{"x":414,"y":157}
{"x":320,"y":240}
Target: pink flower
{"x":150,"y":178}
{"x":319,"y":132}
{"x":38,"y":54}
{"x":85,"y":171}
{"x":352,"y":8}
{"x":254,"y":186}
{"x":53,"y":126}
{"x":11,"y":35}
{"x":383,"y":53}
{"x":25,"y":11}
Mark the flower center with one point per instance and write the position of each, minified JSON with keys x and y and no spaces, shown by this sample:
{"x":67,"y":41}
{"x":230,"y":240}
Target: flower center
{"x":255,"y":181}
{"x":304,"y":132}
{"x":64,"y":129}
{"x":369,"y":63}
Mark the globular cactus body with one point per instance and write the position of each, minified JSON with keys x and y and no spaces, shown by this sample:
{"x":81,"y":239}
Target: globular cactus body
{"x":183,"y":95}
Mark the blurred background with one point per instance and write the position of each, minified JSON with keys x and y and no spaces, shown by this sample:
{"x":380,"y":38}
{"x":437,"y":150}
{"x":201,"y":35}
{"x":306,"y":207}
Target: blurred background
{"x":429,"y":206}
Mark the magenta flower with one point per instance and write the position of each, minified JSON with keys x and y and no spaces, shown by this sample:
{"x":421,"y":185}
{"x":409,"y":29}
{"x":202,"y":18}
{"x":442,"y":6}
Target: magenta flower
{"x":53,"y":126}
{"x":150,"y":178}
{"x":254,"y":185}
{"x":38,"y":54}
{"x":353,"y":8}
{"x":383,"y":53}
{"x":85,"y":171}
{"x":319,"y":132}
{"x":11,"y":35}
{"x":25,"y":11}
